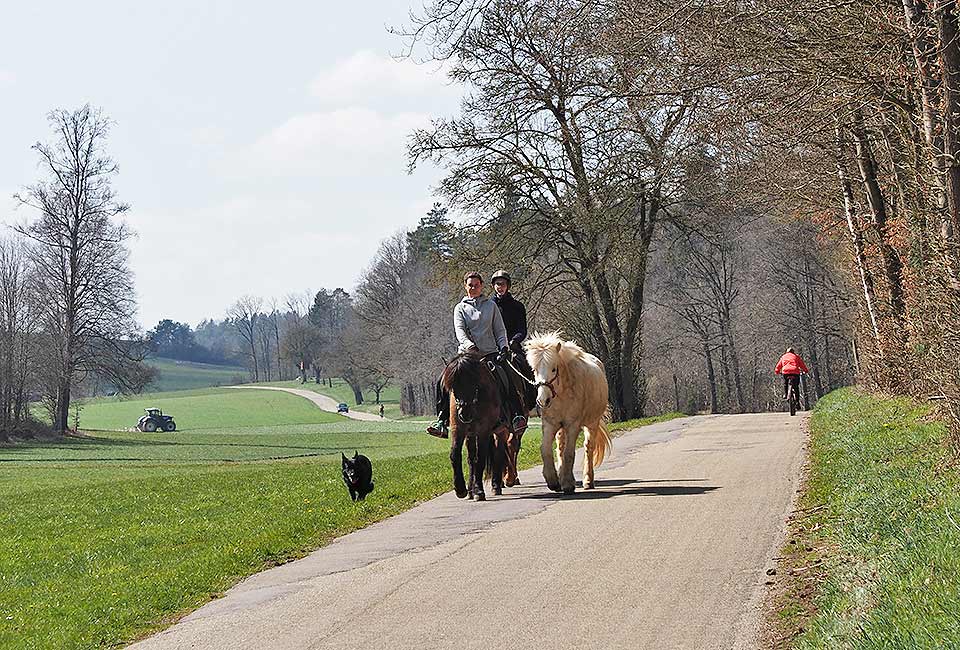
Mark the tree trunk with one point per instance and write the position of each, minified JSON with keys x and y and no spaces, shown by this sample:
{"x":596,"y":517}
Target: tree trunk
{"x":711,"y":375}
{"x":62,"y":415}
{"x":357,"y":393}
{"x":856,"y":240}
{"x":893,"y":267}
{"x":950,"y":74}
{"x":676,"y":393}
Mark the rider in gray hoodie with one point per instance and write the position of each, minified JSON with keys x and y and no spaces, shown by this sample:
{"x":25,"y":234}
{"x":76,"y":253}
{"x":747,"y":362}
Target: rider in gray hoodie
{"x":479,"y":326}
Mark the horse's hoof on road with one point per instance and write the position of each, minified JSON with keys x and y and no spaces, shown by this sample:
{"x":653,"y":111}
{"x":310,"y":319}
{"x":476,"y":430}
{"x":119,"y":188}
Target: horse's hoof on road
{"x":461,"y":492}
{"x":570,"y":490}
{"x":516,"y":481}
{"x":498,"y":492}
{"x":481,"y":497}
{"x":588,"y":486}
{"x":554,"y":487}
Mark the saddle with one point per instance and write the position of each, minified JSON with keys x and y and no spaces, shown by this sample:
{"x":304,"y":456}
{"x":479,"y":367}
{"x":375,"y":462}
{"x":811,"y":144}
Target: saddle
{"x":506,"y":387}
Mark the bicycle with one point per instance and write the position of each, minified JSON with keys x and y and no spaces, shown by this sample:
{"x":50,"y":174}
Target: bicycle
{"x":793,"y":395}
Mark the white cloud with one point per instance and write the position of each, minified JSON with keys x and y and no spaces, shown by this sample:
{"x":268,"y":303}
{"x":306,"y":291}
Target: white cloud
{"x":349,"y":142}
{"x":366,"y":78}
{"x":7,"y":78}
{"x":193,"y":263}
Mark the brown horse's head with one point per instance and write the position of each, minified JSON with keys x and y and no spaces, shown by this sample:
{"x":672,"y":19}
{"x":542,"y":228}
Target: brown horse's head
{"x":467,"y":379}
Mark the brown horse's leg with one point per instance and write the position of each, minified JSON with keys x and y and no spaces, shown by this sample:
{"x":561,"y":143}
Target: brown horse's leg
{"x":497,"y":446}
{"x":456,"y":451}
{"x":472,"y":452}
{"x":478,"y":464}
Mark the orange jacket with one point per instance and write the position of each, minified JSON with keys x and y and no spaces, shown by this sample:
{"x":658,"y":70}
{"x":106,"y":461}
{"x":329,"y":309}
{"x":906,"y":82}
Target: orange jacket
{"x":791,"y":364}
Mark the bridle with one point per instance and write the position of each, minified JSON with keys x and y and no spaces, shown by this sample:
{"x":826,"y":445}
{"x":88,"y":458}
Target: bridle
{"x":462,"y":403}
{"x":538,"y":384}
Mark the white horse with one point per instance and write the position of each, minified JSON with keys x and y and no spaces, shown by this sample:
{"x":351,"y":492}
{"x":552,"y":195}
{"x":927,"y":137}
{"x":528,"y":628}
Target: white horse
{"x":572,"y":395}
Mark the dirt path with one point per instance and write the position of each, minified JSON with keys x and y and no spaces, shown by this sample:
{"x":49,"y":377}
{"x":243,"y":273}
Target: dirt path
{"x":669,"y":552}
{"x":324,"y":402}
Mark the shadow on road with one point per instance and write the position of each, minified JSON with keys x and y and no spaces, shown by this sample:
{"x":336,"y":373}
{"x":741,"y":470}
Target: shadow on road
{"x":616,"y":488}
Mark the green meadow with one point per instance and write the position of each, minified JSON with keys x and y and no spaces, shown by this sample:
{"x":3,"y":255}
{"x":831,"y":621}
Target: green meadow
{"x":112,"y":535}
{"x":186,"y":375}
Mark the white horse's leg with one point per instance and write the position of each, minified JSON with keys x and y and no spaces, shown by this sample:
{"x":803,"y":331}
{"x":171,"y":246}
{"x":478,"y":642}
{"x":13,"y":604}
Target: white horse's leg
{"x":588,"y":444}
{"x":569,"y":455}
{"x":546,"y":454}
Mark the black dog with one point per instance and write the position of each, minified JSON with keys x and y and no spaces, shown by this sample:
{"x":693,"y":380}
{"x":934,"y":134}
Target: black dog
{"x":358,"y":475}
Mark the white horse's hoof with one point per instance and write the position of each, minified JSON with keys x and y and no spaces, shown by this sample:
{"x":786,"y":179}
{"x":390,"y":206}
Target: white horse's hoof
{"x":588,"y":485}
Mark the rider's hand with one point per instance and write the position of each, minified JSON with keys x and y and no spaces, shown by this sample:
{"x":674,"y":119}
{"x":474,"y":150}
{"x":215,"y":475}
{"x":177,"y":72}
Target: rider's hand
{"x":505,"y":354}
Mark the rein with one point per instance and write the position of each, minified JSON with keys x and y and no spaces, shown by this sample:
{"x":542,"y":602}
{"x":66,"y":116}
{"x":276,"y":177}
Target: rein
{"x":537,"y":384}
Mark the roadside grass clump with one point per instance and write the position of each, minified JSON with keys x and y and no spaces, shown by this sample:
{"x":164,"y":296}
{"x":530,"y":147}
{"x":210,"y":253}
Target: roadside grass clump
{"x":880,"y":525}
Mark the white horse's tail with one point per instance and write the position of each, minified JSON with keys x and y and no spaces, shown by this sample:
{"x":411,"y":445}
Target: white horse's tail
{"x":600,"y":439}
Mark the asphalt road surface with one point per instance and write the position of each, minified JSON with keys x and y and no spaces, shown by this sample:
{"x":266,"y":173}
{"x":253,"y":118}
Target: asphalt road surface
{"x":669,"y":551}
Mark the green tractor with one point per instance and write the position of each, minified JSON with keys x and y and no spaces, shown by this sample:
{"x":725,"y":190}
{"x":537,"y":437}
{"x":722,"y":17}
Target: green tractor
{"x":155,"y":420}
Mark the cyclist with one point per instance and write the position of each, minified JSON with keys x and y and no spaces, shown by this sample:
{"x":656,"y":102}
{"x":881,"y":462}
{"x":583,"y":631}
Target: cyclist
{"x":791,"y":366}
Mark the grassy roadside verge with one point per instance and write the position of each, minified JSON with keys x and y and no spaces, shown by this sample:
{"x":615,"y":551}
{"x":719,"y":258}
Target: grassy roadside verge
{"x":873,"y":554}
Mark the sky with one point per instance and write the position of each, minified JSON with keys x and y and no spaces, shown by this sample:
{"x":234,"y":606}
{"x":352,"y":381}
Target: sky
{"x":261,"y":146}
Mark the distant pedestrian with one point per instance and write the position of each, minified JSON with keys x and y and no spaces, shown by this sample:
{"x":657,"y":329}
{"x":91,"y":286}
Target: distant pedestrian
{"x":381,"y":410}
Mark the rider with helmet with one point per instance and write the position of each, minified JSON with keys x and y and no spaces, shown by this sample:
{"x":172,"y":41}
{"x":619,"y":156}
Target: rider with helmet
{"x":513,"y":312}
{"x":515,"y":320}
{"x":479,"y":326}
{"x":790,"y":366}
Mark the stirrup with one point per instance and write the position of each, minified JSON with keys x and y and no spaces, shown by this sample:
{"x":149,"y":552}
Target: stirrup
{"x":438,"y":429}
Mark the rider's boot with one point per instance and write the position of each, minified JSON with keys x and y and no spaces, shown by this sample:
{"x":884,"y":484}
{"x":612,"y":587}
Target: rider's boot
{"x":439,"y":429}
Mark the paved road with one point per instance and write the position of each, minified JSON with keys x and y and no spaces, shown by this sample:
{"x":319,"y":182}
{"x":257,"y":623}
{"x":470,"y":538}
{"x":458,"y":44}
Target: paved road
{"x":668,"y":552}
{"x":324,"y":402}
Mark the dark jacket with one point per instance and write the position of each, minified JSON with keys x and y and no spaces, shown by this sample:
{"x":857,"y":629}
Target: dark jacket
{"x":514,"y":317}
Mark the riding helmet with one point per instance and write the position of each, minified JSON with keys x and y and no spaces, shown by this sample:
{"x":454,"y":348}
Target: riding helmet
{"x":501,"y":274}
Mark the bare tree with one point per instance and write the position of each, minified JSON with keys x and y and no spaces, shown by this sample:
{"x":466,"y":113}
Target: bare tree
{"x":85,"y":290}
{"x":18,"y":352}
{"x":562,"y":124}
{"x":244,"y":315}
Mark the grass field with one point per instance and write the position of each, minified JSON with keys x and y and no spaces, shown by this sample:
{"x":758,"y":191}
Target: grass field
{"x":186,"y":375}
{"x":111,"y":536}
{"x":882,"y":524}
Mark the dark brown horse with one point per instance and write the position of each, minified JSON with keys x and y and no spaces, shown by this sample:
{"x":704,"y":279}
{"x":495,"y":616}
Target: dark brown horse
{"x":521,"y":378}
{"x":475,"y":417}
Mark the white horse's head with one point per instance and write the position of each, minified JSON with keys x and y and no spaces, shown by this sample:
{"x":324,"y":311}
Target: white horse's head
{"x":544,"y":354}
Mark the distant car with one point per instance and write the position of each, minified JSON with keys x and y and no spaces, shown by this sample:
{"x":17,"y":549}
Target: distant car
{"x":154,"y":420}
{"x":343,"y":408}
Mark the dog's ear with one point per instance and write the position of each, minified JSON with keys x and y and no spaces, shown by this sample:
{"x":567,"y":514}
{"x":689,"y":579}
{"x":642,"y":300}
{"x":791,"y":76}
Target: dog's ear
{"x":342,"y":455}
{"x":355,"y":453}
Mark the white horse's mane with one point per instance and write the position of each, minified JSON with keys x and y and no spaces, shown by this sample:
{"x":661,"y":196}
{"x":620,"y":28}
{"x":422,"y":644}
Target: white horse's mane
{"x":544,"y":346}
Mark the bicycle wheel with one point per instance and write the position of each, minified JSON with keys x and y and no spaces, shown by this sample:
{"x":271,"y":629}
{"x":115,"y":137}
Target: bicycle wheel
{"x":792,"y":398}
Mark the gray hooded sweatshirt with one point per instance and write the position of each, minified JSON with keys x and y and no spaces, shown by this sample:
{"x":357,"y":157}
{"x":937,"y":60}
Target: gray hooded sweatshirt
{"x":479,"y":325}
